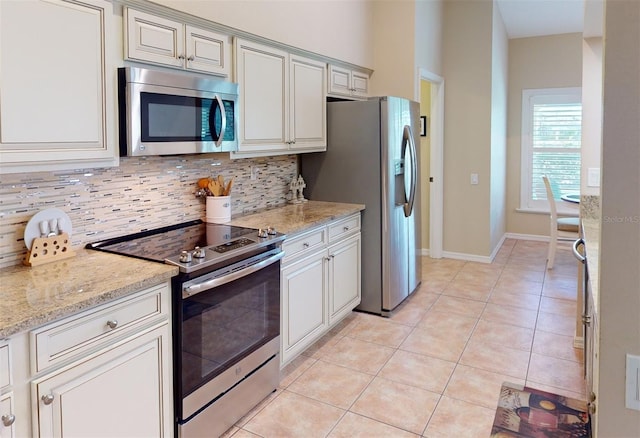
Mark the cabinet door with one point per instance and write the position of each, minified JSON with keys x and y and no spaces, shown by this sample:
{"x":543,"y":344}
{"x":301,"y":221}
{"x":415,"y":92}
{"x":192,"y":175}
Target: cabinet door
{"x":344,"y":278}
{"x":58,"y":79}
{"x":263,"y":75}
{"x":359,"y":84}
{"x":304,"y":304}
{"x":154,"y":39}
{"x":207,"y":51}
{"x":7,"y":416}
{"x":125,"y":391}
{"x":339,"y":81}
{"x":307,"y":104}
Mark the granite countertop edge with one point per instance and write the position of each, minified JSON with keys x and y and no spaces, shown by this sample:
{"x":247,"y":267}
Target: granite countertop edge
{"x":293,"y":219}
{"x":35,"y":296}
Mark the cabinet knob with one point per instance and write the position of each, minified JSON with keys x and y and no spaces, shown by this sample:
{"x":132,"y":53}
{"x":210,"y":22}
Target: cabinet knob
{"x":191,"y":58}
{"x":305,"y":245}
{"x":8,"y":419}
{"x":112,"y":323}
{"x":181,"y":57}
{"x":345,"y":229}
{"x":47,"y":399}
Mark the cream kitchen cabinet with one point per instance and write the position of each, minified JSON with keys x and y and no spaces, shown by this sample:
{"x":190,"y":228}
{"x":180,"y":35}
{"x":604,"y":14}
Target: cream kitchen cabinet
{"x":107,"y":369}
{"x":320,"y":283}
{"x":7,"y":416}
{"x":304,"y":304}
{"x":120,"y":392}
{"x":15,"y":415}
{"x":282,"y":101}
{"x":149,"y":38}
{"x":348,"y":83}
{"x":58,"y":85}
{"x":7,"y":411}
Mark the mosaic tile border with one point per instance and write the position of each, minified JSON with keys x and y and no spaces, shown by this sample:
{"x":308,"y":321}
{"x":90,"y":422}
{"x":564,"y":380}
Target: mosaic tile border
{"x":142,"y":193}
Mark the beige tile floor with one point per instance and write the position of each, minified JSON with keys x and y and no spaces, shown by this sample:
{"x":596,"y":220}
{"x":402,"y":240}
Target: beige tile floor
{"x":434,"y":369}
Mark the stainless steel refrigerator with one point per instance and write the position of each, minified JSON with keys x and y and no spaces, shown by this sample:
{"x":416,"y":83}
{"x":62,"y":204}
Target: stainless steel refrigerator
{"x":372,"y":159}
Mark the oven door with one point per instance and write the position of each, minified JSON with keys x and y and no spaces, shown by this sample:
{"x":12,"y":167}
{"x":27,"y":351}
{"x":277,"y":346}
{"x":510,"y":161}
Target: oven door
{"x":225,"y":317}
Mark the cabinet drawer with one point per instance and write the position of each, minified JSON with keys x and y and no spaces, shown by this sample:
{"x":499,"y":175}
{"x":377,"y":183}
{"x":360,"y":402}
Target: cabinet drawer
{"x":304,"y":244}
{"x":59,"y":341}
{"x":5,"y":366}
{"x":344,"y":227}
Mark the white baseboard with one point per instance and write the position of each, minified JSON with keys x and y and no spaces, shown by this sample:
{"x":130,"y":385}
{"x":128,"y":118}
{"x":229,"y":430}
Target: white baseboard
{"x":519,"y":236}
{"x":467,"y":257}
{"x":424,"y":252}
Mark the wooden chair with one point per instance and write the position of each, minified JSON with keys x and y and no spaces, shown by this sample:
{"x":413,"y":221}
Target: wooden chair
{"x":561,"y":228}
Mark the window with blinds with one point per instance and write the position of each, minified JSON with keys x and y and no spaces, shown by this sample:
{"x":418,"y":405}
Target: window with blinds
{"x":551,"y":139}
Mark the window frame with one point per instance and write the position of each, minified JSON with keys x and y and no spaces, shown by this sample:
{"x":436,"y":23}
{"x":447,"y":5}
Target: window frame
{"x":529,"y":98}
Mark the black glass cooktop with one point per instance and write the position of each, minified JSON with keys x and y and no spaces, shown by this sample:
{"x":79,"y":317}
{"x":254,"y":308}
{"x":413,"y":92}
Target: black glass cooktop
{"x":163,"y":243}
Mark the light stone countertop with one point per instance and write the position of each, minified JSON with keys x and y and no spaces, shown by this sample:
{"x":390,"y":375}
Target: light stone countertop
{"x":295,"y":218}
{"x":33,"y":296}
{"x":591,"y":236}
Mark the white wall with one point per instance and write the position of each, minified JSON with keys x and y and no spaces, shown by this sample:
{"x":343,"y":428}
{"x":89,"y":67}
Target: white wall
{"x":498,"y":156}
{"x":394,"y":54}
{"x":591,"y":111}
{"x":467,"y":66}
{"x":340,"y":29}
{"x":620,"y":222}
{"x":537,"y":62}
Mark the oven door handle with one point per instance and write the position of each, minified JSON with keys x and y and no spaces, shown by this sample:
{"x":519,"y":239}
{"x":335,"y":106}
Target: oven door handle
{"x":214,"y":282}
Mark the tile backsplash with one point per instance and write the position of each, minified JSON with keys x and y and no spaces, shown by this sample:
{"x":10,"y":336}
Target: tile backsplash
{"x":142,"y":193}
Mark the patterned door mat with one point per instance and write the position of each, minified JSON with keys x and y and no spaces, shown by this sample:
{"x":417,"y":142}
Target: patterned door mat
{"x":525,"y":412}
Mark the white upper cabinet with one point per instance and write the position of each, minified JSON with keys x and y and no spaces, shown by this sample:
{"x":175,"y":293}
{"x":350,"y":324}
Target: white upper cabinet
{"x":149,"y":38}
{"x":307,"y":105}
{"x":58,"y":85}
{"x":348,"y":83}
{"x":282,"y":101}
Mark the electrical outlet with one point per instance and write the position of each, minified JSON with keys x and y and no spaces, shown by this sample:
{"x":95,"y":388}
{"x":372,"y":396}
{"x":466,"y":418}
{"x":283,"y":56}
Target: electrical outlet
{"x":254,"y":173}
{"x":474,"y":179}
{"x":632,"y":396}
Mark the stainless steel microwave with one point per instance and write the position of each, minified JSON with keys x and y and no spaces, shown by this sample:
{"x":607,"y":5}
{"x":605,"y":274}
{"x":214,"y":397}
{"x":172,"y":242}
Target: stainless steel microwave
{"x":169,"y":113}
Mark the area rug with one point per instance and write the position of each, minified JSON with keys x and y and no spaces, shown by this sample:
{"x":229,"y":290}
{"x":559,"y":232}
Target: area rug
{"x":525,"y":412}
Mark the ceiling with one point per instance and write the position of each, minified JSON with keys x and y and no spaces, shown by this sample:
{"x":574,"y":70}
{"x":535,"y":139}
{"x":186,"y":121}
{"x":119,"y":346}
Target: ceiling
{"x":529,"y":18}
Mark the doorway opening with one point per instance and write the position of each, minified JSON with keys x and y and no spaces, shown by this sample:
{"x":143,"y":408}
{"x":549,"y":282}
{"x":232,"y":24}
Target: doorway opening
{"x":431,"y":98}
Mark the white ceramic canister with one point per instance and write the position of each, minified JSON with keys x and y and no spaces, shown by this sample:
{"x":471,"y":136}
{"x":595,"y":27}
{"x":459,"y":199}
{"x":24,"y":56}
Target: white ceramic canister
{"x":218,"y":209}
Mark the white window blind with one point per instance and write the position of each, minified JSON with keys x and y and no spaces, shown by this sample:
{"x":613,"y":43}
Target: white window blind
{"x":551,"y":140}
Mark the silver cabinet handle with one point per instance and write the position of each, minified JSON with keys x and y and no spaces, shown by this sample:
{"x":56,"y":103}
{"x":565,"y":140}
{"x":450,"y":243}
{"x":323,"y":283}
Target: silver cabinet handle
{"x":8,"y":419}
{"x":112,"y":323}
{"x":47,"y":399}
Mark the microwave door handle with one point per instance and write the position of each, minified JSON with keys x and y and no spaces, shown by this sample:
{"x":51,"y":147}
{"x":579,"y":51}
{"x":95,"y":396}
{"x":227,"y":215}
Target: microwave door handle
{"x":223,"y":127}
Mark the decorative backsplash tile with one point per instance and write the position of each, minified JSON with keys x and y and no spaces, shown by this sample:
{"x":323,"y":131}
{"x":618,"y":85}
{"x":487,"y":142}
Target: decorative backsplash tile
{"x":142,"y":193}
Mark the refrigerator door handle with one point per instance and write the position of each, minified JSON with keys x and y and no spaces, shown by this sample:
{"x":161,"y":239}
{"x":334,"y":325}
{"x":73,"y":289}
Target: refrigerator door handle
{"x":407,"y":139}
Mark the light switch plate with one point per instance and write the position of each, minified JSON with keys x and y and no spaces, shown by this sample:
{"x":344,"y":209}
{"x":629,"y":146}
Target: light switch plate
{"x":474,"y":179}
{"x":593,"y":177}
{"x":632,"y":396}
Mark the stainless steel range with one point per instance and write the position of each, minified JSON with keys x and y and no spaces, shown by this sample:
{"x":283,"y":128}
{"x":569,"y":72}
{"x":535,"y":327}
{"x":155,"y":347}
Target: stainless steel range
{"x":226,"y":317}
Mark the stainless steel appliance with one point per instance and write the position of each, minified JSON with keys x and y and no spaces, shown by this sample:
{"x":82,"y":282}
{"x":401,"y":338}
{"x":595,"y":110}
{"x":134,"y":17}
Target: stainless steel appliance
{"x":167,"y":113}
{"x":372,"y":159}
{"x":226,"y":317}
